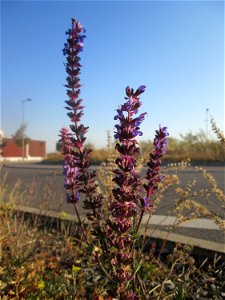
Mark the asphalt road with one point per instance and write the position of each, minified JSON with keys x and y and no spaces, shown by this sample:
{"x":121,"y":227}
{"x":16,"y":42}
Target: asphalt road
{"x":39,"y":185}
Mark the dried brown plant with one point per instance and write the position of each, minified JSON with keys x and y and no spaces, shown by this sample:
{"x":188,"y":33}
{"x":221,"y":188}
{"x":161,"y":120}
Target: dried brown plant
{"x":219,"y":133}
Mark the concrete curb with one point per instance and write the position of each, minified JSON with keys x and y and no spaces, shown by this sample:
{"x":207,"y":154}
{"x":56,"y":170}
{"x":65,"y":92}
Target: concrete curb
{"x":194,"y":242}
{"x":169,"y":237}
{"x":171,"y":221}
{"x":32,"y":166}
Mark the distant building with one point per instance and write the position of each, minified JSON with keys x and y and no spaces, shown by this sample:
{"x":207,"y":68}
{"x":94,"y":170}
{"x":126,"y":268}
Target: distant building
{"x":1,"y":141}
{"x":33,"y":150}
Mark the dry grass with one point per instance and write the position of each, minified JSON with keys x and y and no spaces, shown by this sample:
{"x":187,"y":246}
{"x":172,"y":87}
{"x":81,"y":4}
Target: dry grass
{"x":196,"y":147}
{"x":45,"y":264}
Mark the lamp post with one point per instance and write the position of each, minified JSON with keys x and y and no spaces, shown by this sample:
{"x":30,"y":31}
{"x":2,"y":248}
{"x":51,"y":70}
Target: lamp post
{"x":23,"y":124}
{"x":206,"y":123}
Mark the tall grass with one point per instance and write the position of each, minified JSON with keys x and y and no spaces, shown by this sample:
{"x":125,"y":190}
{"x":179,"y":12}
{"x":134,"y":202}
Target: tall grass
{"x":193,"y":146}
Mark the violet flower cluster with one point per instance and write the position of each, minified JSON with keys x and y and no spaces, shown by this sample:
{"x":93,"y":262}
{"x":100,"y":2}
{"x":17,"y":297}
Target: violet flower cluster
{"x":79,"y":178}
{"x":153,"y":177}
{"x":129,"y":200}
{"x":70,"y":168}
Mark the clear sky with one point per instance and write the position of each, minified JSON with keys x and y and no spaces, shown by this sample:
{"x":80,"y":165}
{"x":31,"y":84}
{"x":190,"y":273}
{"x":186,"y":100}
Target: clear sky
{"x":175,"y":48}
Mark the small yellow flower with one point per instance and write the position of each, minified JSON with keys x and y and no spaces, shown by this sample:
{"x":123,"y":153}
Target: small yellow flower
{"x":63,"y":215}
{"x":75,"y":269}
{"x":41,"y":284}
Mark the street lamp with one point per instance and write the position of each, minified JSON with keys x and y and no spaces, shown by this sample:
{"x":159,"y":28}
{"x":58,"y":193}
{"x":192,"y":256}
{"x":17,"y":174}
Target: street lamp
{"x":206,"y":123}
{"x":23,"y":124}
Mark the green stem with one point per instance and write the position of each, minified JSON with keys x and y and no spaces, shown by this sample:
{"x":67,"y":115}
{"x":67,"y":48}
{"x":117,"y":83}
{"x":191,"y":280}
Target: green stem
{"x":104,"y":270}
{"x":84,"y":233}
{"x":80,"y":223}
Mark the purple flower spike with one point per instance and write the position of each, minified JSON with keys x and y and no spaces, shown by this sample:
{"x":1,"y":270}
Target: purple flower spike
{"x":128,"y":194}
{"x":128,"y":128}
{"x":154,"y":164}
{"x":79,"y":178}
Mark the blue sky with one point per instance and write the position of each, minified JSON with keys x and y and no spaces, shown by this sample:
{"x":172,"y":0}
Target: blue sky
{"x":175,"y":48}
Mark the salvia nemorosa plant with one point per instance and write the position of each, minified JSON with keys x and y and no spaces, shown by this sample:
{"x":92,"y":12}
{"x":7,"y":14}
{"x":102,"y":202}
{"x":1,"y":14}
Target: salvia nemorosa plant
{"x":130,"y":199}
{"x":78,"y":177}
{"x":116,"y":236}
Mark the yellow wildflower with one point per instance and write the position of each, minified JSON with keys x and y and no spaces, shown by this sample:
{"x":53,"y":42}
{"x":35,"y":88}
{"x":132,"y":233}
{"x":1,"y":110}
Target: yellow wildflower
{"x":75,"y":269}
{"x":41,"y":284}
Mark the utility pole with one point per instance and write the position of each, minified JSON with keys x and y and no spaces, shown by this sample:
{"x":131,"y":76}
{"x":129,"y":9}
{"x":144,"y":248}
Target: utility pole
{"x":23,"y":124}
{"x":206,"y":123}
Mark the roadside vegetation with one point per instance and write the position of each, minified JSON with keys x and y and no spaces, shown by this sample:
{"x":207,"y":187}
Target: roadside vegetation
{"x":40,"y":260}
{"x":193,"y":146}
